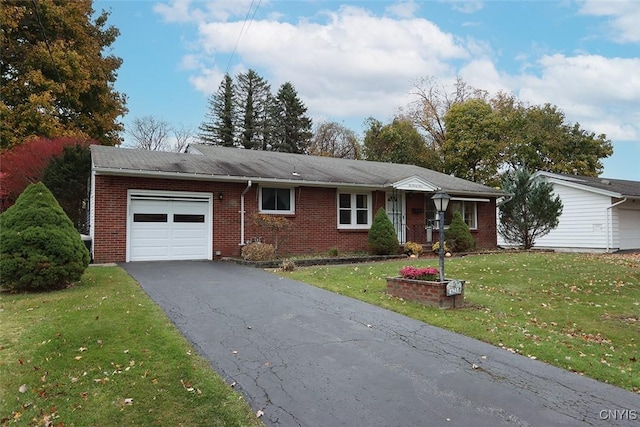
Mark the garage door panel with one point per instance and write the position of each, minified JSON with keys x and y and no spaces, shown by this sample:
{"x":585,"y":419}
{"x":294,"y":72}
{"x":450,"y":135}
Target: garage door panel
{"x":169,"y":230}
{"x":629,"y":229}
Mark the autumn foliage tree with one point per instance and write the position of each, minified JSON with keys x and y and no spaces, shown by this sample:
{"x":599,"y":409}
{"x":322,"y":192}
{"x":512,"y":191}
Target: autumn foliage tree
{"x":56,"y":73}
{"x":25,"y":163}
{"x":275,"y":224}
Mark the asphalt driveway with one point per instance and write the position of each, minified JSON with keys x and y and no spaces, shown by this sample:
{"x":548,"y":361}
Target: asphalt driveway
{"x":308,"y":357}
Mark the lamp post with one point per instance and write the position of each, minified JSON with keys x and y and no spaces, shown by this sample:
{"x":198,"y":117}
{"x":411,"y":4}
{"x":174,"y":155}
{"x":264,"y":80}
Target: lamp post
{"x":441,"y":200}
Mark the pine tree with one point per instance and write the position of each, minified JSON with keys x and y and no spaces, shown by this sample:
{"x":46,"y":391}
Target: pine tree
{"x":292,"y":126}
{"x":532,"y":212}
{"x":39,"y":247}
{"x":254,"y":98}
{"x":219,"y":127}
{"x":67,"y":177}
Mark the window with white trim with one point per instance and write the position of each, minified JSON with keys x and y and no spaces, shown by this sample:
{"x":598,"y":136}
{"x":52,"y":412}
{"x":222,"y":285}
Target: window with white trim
{"x":354,"y":210}
{"x":276,"y":200}
{"x":468,"y":210}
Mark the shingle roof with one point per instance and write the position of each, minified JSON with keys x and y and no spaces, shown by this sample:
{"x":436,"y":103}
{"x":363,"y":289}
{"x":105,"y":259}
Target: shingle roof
{"x":623,"y":188}
{"x":234,"y":164}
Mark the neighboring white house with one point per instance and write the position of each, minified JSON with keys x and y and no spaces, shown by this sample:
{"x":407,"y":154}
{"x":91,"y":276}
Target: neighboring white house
{"x":598,"y":215}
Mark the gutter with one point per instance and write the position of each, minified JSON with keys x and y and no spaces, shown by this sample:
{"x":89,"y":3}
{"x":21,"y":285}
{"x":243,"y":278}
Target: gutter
{"x":242,"y":212}
{"x":506,"y":199}
{"x":293,"y":182}
{"x":609,"y":218}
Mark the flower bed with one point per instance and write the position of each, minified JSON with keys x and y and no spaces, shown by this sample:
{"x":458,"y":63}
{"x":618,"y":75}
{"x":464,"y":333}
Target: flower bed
{"x":422,"y":285}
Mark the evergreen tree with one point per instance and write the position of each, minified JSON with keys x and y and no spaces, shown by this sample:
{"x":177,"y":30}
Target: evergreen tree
{"x":292,"y":126}
{"x":254,"y":99}
{"x":219,"y":127}
{"x":39,"y":247}
{"x":67,"y":177}
{"x":458,"y":235}
{"x":382,"y":238}
{"x":56,"y":74}
{"x":531,"y":213}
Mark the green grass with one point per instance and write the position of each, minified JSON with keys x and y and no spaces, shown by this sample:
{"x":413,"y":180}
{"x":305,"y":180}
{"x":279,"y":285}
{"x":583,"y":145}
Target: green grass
{"x":575,"y":311}
{"x":102,"y":353}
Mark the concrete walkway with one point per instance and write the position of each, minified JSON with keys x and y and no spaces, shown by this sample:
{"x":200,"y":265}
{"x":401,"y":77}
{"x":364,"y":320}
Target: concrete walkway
{"x":308,"y":357}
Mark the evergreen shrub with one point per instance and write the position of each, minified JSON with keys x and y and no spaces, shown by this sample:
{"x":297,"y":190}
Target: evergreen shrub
{"x":40,"y":248}
{"x":458,"y":235}
{"x":382,"y":238}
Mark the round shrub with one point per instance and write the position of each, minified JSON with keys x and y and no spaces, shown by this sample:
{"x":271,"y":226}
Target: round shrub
{"x":258,"y":251}
{"x":382,"y":238}
{"x":39,"y":247}
{"x":458,"y":234}
{"x":413,"y":248}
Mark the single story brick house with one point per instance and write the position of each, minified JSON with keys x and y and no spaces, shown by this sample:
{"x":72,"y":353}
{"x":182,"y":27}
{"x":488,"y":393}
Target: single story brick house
{"x":598,"y":214}
{"x":201,"y":204}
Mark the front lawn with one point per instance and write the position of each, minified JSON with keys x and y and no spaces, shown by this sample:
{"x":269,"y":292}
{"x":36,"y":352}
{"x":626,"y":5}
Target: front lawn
{"x":575,"y":311}
{"x":102,"y":353}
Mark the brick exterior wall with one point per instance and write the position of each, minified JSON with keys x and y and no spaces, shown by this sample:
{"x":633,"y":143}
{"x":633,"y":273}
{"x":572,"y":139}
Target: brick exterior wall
{"x":314,"y":224}
{"x":428,"y":293}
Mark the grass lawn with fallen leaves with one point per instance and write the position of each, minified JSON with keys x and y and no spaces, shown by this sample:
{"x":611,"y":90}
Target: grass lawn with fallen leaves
{"x":576,"y":311}
{"x":102,"y":353}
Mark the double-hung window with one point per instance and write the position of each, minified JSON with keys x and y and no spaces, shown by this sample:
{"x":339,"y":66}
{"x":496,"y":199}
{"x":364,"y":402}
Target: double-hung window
{"x":276,"y":200}
{"x":354,"y":210}
{"x":468,"y":210}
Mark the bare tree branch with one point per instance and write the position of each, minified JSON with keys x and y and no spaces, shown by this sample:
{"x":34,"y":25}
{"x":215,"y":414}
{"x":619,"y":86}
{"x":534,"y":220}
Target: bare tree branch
{"x":150,"y":133}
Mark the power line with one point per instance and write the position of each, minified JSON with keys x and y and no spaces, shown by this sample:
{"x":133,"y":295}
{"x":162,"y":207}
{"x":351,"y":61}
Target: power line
{"x":242,"y":30}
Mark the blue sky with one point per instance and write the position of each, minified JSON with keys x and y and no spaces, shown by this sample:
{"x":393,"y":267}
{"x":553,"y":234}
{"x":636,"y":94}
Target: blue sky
{"x":350,"y":60}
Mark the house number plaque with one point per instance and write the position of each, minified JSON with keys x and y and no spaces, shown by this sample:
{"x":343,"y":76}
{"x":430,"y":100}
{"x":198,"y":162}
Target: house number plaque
{"x":454,"y":287}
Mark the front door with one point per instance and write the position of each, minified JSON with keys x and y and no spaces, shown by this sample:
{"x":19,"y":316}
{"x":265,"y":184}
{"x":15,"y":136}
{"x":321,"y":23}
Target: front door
{"x":396,"y":211}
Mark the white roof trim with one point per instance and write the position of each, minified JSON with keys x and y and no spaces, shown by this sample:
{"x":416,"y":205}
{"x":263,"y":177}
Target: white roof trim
{"x":414,"y":183}
{"x":470,"y":199}
{"x":576,"y":183}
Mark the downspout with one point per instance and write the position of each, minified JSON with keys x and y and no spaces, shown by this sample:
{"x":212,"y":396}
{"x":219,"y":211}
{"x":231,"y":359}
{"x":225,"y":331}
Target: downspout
{"x":610,"y":218}
{"x":242,"y":212}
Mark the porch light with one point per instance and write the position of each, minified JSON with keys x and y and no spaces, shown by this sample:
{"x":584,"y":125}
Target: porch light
{"x":220,"y":196}
{"x":441,"y":200}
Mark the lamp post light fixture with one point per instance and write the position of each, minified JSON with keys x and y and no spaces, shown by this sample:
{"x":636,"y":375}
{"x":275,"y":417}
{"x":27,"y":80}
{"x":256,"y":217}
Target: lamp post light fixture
{"x":441,"y":200}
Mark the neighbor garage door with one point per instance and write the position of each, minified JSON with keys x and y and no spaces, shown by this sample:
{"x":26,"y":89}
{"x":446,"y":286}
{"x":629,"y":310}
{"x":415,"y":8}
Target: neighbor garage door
{"x":629,"y":228}
{"x":169,"y":227}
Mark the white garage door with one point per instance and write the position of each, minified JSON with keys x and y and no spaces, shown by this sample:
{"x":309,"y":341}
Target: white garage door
{"x":169,"y":228}
{"x":629,"y":229}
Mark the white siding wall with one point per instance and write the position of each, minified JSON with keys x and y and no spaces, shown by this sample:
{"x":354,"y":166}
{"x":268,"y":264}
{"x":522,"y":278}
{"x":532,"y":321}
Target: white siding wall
{"x":583,"y":223}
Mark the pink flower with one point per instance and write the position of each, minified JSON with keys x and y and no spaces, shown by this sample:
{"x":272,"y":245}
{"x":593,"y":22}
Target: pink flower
{"x":415,"y":273}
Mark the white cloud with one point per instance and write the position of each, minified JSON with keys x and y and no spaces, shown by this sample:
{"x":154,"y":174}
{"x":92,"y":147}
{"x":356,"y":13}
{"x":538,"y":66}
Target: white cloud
{"x":351,"y":62}
{"x":601,"y":93}
{"x":624,"y":17}
{"x":405,"y":9}
{"x":219,"y":10}
{"x":467,"y":6}
{"x":482,"y":74}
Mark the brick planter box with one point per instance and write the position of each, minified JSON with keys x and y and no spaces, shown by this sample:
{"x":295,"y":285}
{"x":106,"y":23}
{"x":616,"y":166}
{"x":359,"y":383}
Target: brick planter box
{"x":426,"y":292}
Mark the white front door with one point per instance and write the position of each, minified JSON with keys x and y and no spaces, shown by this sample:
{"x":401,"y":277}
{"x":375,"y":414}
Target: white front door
{"x":396,"y":211}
